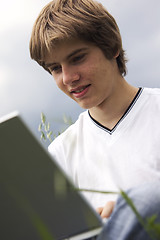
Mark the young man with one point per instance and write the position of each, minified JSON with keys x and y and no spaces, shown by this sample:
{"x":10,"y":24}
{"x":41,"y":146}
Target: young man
{"x":115,"y":143}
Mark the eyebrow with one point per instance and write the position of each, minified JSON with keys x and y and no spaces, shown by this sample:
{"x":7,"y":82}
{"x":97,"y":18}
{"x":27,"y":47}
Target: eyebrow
{"x":68,"y":57}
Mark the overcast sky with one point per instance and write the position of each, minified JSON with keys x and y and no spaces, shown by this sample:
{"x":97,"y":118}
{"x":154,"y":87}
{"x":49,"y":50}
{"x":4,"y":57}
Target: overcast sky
{"x":26,"y":87}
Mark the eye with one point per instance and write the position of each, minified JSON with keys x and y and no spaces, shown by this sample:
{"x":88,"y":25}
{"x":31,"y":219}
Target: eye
{"x":78,"y":58}
{"x":55,"y":69}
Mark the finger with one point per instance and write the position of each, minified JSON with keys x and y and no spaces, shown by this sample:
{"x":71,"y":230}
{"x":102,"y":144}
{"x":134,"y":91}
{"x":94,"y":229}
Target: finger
{"x":99,"y":210}
{"x":107,"y":210}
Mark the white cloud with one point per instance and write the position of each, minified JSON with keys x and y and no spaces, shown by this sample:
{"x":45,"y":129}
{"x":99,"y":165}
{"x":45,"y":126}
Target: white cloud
{"x":19,"y":12}
{"x":4,"y":73}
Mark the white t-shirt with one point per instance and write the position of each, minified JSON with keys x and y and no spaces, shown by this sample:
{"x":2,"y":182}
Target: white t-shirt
{"x":101,"y":159}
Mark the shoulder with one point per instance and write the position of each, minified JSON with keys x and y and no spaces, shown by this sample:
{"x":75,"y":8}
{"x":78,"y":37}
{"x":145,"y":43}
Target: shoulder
{"x":151,"y":100}
{"x":151,"y":95}
{"x":68,"y":137}
{"x":65,"y":147}
{"x":152,"y":92}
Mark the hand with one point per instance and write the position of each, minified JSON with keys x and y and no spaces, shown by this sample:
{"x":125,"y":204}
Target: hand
{"x":106,"y":211}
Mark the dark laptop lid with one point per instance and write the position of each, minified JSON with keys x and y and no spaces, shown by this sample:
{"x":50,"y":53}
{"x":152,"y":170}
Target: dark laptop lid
{"x":37,"y":201}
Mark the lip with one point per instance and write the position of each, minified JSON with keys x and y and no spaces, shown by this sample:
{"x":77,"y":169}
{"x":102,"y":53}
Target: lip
{"x":81,"y":93}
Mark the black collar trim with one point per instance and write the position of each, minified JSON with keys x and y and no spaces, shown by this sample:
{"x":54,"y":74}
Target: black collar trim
{"x":110,"y":131}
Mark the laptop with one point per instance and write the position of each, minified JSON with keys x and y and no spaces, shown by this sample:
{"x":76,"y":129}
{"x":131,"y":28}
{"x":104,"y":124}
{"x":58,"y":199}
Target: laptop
{"x":37,"y":200}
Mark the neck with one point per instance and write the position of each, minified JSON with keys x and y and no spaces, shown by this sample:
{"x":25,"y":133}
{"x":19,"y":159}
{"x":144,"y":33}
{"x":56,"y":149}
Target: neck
{"x":112,"y":109}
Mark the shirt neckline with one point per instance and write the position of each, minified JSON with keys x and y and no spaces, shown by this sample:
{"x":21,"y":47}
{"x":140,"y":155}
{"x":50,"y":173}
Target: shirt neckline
{"x":110,"y":131}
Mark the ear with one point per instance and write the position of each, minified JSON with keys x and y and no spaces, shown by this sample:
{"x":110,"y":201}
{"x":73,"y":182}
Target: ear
{"x":116,"y":55}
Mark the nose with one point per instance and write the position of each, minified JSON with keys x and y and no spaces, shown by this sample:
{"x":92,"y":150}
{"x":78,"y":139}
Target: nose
{"x":70,"y":75}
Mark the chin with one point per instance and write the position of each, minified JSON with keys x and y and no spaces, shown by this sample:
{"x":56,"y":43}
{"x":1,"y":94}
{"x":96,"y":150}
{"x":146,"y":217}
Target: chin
{"x":85,"y":105}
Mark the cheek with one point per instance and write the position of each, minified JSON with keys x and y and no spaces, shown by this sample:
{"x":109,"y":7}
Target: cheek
{"x":89,"y":71}
{"x":61,"y":86}
{"x":58,"y":80}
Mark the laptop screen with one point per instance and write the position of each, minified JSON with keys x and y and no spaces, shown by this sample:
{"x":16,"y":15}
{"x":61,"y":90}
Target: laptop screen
{"x":37,"y":200}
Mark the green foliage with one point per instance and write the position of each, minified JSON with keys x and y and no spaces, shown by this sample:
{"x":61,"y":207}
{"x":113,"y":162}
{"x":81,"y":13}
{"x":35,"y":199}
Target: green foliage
{"x":149,"y":224}
{"x":153,"y":227}
{"x":67,"y":120}
{"x":44,"y":128}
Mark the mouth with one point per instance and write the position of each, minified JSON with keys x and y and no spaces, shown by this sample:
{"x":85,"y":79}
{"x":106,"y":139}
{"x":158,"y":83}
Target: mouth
{"x":80,"y":91}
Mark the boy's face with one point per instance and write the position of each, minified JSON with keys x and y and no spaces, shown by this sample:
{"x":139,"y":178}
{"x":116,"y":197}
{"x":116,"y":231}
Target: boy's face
{"x":81,"y":71}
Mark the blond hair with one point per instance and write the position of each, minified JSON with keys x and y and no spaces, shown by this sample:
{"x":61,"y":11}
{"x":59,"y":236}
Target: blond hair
{"x":86,"y":20}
